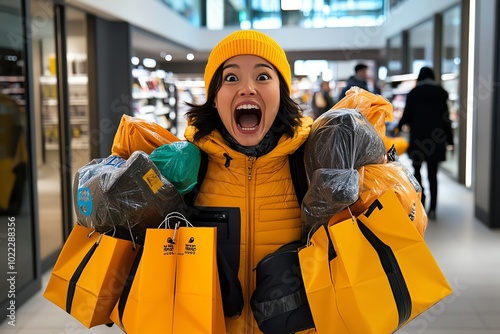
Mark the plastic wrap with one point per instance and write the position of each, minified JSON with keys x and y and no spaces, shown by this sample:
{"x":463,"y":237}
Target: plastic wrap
{"x":340,"y":141}
{"x":376,"y":179}
{"x":127,"y":196}
{"x":136,"y":134}
{"x":377,"y":110}
{"x":179,"y":162}
{"x":330,"y":191}
{"x":346,"y":165}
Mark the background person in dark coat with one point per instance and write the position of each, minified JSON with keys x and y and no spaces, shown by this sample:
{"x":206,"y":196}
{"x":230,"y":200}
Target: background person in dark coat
{"x":427,"y":115}
{"x":322,"y":100}
{"x":358,"y":79}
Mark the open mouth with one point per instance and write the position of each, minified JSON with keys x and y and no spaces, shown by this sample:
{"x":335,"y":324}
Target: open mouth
{"x":248,"y":117}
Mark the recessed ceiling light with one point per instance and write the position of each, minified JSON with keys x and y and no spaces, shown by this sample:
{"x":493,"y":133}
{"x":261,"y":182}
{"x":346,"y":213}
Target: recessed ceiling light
{"x":149,"y":62}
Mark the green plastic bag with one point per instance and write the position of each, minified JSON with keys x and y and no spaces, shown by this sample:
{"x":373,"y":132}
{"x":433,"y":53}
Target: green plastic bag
{"x":179,"y":162}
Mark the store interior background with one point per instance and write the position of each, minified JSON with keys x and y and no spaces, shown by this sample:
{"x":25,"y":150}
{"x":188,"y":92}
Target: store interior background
{"x":159,"y":91}
{"x":104,"y":73}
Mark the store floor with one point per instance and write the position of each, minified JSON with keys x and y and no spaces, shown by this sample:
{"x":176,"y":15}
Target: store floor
{"x":467,"y":251}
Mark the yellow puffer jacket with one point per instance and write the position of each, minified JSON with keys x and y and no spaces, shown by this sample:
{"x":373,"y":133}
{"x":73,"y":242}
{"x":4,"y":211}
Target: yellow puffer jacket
{"x":263,"y":190}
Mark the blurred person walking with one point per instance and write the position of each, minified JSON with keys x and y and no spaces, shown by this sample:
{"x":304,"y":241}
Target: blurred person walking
{"x":427,"y":116}
{"x":322,"y":100}
{"x":358,"y":79}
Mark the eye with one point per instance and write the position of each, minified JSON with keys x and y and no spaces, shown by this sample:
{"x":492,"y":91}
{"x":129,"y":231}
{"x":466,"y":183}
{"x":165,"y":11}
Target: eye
{"x":263,"y":77}
{"x":231,"y":77}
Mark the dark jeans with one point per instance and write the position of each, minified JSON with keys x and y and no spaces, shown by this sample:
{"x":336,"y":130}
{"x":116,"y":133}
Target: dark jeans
{"x":432,"y":169}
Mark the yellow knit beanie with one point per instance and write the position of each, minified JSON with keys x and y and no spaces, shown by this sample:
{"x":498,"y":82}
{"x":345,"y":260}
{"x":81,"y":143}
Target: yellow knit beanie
{"x":248,"y":42}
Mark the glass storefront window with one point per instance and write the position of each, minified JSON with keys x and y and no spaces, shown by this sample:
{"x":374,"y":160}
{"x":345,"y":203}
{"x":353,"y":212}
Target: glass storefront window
{"x":420,"y":40}
{"x":451,"y":40}
{"x":46,"y":115}
{"x":78,"y":89}
{"x":450,"y":79}
{"x":395,"y":55}
{"x":17,"y":223}
{"x":266,"y":14}
{"x":274,"y":14}
{"x":190,"y":9}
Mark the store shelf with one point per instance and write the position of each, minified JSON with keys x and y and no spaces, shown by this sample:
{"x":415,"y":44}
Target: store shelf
{"x":78,"y":112}
{"x":155,"y":98}
{"x":149,"y":95}
{"x":13,"y":86}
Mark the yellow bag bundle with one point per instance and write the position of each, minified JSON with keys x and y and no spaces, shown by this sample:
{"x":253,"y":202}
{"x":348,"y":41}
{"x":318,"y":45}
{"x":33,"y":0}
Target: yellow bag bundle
{"x":377,"y":179}
{"x":174,"y":288}
{"x":347,"y":167}
{"x":137,"y":134}
{"x":89,"y":275}
{"x":371,"y":273}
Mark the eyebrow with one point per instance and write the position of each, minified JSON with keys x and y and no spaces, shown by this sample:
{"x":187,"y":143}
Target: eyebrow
{"x":256,"y":66}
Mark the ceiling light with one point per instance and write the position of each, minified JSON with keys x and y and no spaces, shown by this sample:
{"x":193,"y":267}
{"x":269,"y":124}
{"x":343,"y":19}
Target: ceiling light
{"x":168,"y":57}
{"x":190,"y":56}
{"x":134,"y":60}
{"x":291,"y":5}
{"x":149,"y":62}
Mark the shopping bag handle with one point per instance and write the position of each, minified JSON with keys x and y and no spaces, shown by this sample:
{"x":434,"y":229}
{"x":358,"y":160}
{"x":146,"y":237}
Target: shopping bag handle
{"x":342,"y":216}
{"x":181,"y":219}
{"x":178,"y":215}
{"x":134,"y":247}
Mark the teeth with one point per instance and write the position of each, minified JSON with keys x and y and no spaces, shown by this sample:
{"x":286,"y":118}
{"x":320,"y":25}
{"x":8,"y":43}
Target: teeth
{"x":248,"y":129}
{"x":247,"y":106}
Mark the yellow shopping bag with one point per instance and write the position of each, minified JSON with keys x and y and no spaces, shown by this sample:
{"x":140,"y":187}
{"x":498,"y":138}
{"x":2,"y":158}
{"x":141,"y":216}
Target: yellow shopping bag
{"x":136,"y":134}
{"x":147,"y":302}
{"x":198,"y":300}
{"x":371,"y":274}
{"x":174,"y":288}
{"x":89,"y":275}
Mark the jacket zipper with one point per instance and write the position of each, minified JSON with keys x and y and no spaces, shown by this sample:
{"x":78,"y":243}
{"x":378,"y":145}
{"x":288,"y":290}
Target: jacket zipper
{"x":250,"y":231}
{"x":251,"y":160}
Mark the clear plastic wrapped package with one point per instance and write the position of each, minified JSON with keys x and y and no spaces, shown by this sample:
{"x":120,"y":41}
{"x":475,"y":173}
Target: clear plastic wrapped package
{"x":330,"y":191}
{"x":346,"y":165}
{"x":377,"y":110}
{"x":124,"y":197}
{"x":340,"y":142}
{"x":342,"y":139}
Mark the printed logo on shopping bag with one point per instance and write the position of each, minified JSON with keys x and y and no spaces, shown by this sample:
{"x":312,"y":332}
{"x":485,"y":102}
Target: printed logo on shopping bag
{"x":84,"y":201}
{"x":190,"y":247}
{"x":168,"y":249}
{"x":153,"y":181}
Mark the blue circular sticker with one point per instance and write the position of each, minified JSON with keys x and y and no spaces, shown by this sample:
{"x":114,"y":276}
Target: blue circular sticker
{"x":84,"y":201}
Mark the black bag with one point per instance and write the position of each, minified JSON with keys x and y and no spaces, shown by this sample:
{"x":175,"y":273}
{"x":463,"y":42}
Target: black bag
{"x":227,"y":221}
{"x":279,"y":302}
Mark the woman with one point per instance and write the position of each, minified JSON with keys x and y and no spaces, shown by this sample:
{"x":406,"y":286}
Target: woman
{"x":248,"y":126}
{"x":427,"y":115}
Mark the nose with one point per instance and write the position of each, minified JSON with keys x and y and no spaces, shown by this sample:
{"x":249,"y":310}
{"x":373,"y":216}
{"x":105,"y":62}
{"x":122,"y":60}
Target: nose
{"x":247,"y":88}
